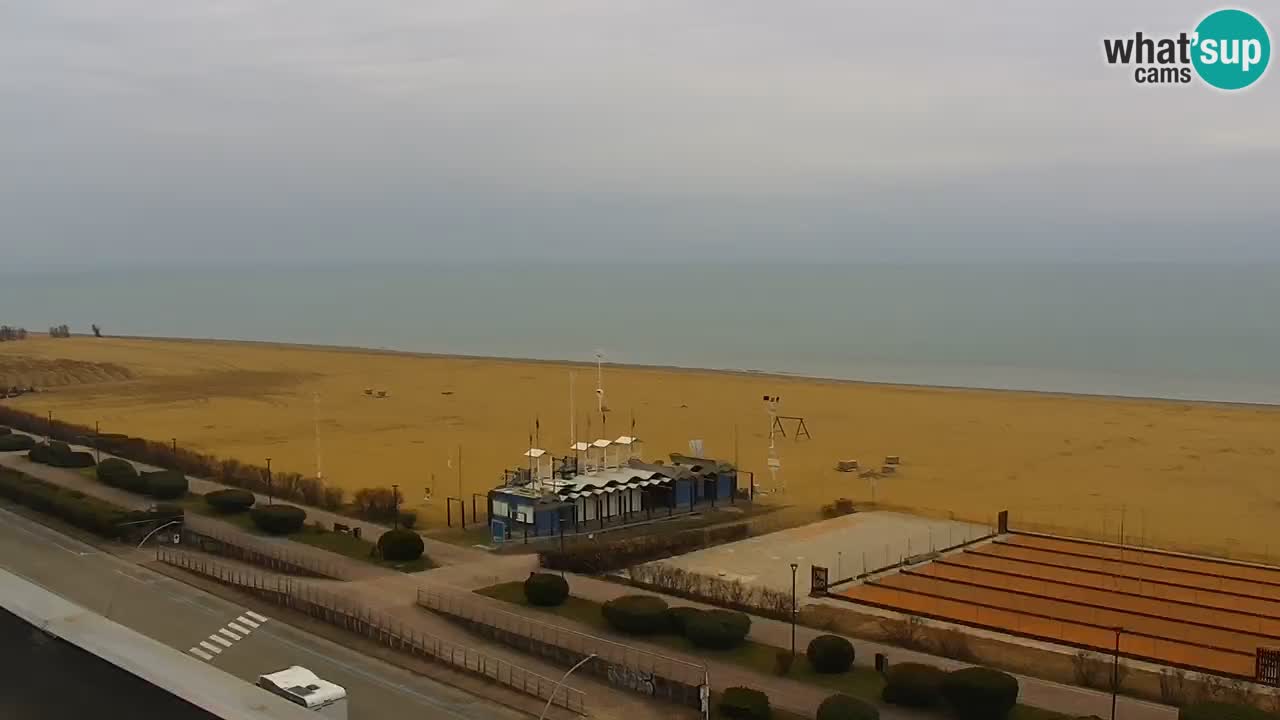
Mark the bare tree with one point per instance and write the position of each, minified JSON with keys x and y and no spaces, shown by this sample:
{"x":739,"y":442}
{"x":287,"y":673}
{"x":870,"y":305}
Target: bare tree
{"x":97,"y":331}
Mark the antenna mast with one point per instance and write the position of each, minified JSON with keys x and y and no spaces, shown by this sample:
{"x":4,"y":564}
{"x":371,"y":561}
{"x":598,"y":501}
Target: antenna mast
{"x":315,"y":421}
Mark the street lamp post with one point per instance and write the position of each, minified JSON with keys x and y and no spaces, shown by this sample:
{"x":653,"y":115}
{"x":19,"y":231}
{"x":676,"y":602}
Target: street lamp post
{"x":395,"y":506}
{"x":97,"y":453}
{"x":1115,"y":673}
{"x":794,"y":567}
{"x":269,"y":500}
{"x":564,"y":677}
{"x":48,"y":431}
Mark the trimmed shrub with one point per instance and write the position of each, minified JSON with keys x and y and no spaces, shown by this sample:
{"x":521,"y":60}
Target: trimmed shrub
{"x":678,"y":617}
{"x":830,"y":654}
{"x":913,"y":685}
{"x":86,"y":513}
{"x":229,"y":501}
{"x":546,"y":590}
{"x":59,"y":454}
{"x":113,"y":471}
{"x":400,"y":545}
{"x":843,"y":707}
{"x":636,"y":614}
{"x":4,"y":430}
{"x":59,"y":448}
{"x":16,"y":443}
{"x":717,"y":629}
{"x":977,"y":693}
{"x":165,"y":484}
{"x":743,"y":703}
{"x":278,"y":519}
{"x":408,"y":519}
{"x":1222,"y":711}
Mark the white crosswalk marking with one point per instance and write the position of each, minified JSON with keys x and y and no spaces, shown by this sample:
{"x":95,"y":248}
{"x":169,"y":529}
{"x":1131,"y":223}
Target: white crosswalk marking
{"x":239,"y":628}
{"x":200,"y":653}
{"x":246,"y":621}
{"x":210,"y":647}
{"x":255,"y":616}
{"x":218,"y":639}
{"x":229,"y":634}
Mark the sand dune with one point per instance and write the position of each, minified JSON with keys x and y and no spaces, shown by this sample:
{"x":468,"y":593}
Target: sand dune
{"x":1184,"y":474}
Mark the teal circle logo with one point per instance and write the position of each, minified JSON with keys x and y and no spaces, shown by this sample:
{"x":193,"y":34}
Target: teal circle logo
{"x":1232,"y":49}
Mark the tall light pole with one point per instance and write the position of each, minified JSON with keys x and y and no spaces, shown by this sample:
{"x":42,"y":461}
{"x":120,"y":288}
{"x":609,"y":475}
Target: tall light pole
{"x":1115,"y":673}
{"x":269,"y":500}
{"x":48,"y":431}
{"x":97,"y":454}
{"x":395,"y":507}
{"x":794,"y":567}
{"x":564,"y":677}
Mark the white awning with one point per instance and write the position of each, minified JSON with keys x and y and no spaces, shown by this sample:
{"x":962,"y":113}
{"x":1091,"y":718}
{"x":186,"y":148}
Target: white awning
{"x":601,"y":443}
{"x":535,"y":452}
{"x":580,"y":446}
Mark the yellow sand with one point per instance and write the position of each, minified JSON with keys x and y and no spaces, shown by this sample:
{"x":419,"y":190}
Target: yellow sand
{"x":1194,"y":475}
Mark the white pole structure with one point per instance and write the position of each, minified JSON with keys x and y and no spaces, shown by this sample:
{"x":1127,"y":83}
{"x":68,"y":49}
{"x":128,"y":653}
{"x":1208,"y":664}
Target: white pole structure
{"x":315,"y":420}
{"x":564,"y":677}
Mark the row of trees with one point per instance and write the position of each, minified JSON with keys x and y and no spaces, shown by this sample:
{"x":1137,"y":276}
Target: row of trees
{"x":60,"y":331}
{"x":8,"y":332}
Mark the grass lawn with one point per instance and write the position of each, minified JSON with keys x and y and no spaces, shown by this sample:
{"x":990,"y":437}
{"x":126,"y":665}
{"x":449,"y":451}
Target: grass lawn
{"x":340,"y":543}
{"x":860,"y":682}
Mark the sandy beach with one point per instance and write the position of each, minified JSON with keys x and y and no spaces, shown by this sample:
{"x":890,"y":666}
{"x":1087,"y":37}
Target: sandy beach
{"x":1187,"y":475}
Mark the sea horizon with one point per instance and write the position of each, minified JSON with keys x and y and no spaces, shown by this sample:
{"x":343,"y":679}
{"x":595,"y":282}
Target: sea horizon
{"x":1145,"y":330}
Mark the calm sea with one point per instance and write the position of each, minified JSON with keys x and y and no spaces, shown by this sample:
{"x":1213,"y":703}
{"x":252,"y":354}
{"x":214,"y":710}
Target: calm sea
{"x":1176,"y":331}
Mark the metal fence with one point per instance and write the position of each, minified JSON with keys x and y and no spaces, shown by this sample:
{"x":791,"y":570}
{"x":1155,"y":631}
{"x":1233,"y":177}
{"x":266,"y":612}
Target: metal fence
{"x":621,"y":665}
{"x":347,"y":615}
{"x":266,"y":557}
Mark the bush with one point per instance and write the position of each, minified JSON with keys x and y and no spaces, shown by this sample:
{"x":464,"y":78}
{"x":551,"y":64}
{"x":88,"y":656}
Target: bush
{"x":16,"y":443}
{"x":400,"y":545}
{"x":229,"y":501}
{"x":830,"y":654}
{"x":86,"y":513}
{"x":545,"y":589}
{"x":164,"y":484}
{"x":278,"y":519}
{"x":604,"y":557}
{"x":843,"y":707}
{"x":913,"y":685}
{"x":980,"y":693}
{"x":59,"y":454}
{"x":113,"y":471}
{"x":4,"y":430}
{"x":742,"y":703}
{"x":1222,"y":711}
{"x":678,"y":617}
{"x":408,"y":519}
{"x":636,"y":614}
{"x":717,"y":629}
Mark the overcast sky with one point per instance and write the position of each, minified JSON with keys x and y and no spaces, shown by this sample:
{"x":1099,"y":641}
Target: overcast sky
{"x":810,"y":130}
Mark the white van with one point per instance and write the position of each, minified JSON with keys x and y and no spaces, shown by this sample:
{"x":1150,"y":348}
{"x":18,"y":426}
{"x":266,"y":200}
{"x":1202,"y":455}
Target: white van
{"x":302,"y":687}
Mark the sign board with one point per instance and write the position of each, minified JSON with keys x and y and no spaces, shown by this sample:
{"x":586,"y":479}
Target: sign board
{"x":177,"y":538}
{"x":818,"y":580}
{"x":695,"y":448}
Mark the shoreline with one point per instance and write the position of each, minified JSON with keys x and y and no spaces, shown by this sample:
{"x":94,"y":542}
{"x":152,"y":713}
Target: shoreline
{"x":734,"y":372}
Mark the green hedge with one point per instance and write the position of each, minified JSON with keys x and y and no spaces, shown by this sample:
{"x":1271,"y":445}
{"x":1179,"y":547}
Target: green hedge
{"x":843,"y":707}
{"x":913,"y":685}
{"x":4,"y":430}
{"x":678,"y":617}
{"x":400,"y":545}
{"x":60,"y":454}
{"x":546,"y":590}
{"x":743,"y":703}
{"x":980,"y":693}
{"x":229,"y":501}
{"x":636,"y":614}
{"x":830,"y":654}
{"x":717,"y":629}
{"x":165,"y":484}
{"x":278,"y":519}
{"x":84,"y":512}
{"x":16,"y":443}
{"x":116,"y":472}
{"x":1223,"y":711}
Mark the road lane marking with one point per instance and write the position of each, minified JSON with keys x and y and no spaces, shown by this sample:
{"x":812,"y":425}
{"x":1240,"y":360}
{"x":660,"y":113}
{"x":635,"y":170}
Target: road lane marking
{"x":255,"y":616}
{"x":210,"y":647}
{"x":246,"y":621}
{"x":200,"y":653}
{"x":229,"y":634}
{"x":239,"y":628}
{"x":218,"y":639}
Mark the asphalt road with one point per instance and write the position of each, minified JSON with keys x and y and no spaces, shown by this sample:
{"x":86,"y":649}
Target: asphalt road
{"x":237,"y":641}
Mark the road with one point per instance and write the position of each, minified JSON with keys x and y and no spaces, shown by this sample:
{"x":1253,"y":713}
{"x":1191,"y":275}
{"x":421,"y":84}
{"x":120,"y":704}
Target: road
{"x":239,"y":642}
